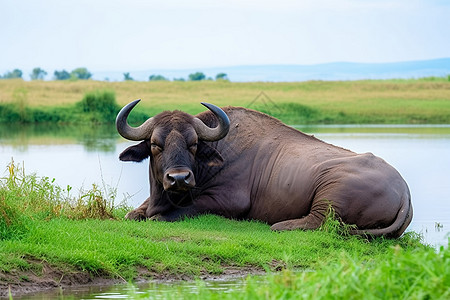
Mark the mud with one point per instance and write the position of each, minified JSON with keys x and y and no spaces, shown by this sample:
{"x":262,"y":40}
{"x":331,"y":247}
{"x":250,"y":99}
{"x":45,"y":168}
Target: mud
{"x":19,"y":283}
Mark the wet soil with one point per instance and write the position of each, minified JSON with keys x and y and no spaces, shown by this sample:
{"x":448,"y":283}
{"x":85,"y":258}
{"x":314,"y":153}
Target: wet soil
{"x":19,"y":282}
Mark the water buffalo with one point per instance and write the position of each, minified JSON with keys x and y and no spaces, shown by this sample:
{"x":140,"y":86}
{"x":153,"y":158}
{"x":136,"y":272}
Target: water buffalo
{"x":243,"y":164}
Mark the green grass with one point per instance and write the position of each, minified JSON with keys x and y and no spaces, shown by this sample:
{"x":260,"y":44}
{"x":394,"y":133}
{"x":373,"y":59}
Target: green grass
{"x":44,"y":226}
{"x":413,"y":274}
{"x":28,"y":198}
{"x":419,"y":101}
{"x":96,"y":107}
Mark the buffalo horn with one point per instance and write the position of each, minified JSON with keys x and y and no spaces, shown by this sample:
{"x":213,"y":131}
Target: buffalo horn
{"x":140,"y":133}
{"x":206,"y":133}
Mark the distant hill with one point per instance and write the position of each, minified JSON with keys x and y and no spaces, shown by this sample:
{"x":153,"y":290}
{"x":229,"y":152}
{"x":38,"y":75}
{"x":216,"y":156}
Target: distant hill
{"x":328,"y":71}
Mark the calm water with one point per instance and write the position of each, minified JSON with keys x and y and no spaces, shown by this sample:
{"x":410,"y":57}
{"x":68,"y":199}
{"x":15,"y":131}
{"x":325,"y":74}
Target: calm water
{"x":139,"y":291}
{"x":81,"y":157}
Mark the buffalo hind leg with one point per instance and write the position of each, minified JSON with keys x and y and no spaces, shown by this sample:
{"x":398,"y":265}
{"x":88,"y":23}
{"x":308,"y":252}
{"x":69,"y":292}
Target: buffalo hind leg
{"x":312,"y":221}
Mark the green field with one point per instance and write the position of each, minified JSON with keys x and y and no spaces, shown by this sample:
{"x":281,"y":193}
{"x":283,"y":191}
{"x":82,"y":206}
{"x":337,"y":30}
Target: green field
{"x":422,"y":101}
{"x":48,"y":234}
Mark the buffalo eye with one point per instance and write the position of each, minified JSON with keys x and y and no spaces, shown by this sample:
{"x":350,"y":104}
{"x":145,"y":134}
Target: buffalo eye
{"x":156,"y":148}
{"x":193,"y":148}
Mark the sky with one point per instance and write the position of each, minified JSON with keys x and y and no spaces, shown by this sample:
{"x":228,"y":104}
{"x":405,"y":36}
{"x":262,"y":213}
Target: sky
{"x":132,"y":35}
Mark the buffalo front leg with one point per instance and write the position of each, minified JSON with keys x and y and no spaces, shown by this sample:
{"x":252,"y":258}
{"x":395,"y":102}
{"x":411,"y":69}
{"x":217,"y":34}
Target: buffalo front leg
{"x":139,"y":213}
{"x":176,"y":214}
{"x":311,"y":221}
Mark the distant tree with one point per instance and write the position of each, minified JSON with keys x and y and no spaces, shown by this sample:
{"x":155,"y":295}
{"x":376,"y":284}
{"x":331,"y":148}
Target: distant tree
{"x":197,"y":76}
{"x":157,"y":78}
{"x":221,"y":76}
{"x":179,"y":79}
{"x":81,"y":73}
{"x":38,"y":73}
{"x":127,"y":77}
{"x":16,"y":73}
{"x":61,"y":75}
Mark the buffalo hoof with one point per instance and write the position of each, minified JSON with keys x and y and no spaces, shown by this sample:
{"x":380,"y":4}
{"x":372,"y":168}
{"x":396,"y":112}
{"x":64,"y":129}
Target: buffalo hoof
{"x":280,"y":226}
{"x":157,"y":217}
{"x":306,"y":223}
{"x":135,"y":215}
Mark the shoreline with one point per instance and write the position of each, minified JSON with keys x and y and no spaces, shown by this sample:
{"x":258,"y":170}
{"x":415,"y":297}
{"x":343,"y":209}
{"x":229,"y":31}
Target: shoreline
{"x":53,"y":279}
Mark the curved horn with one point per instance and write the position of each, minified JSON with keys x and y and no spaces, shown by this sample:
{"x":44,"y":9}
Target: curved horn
{"x":133,"y":133}
{"x":206,"y":133}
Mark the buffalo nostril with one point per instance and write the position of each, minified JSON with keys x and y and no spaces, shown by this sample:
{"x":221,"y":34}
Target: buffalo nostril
{"x":187,"y":178}
{"x":171,"y":180}
{"x":179,"y":178}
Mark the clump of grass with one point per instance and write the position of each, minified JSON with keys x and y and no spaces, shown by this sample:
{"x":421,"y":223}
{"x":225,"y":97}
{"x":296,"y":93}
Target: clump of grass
{"x":24,"y":198}
{"x":96,"y":204}
{"x":333,"y":224}
{"x":100,"y":106}
{"x":12,"y":224}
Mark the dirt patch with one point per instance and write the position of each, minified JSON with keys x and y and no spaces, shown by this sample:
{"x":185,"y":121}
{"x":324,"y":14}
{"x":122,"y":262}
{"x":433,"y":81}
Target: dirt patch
{"x":18,"y":282}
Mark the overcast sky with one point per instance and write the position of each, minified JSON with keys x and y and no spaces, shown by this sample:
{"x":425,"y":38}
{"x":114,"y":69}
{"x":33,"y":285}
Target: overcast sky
{"x":132,"y":35}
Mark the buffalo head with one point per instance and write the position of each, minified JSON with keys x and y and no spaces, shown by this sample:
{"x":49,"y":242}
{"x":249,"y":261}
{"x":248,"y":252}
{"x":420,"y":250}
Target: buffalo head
{"x":174,"y":142}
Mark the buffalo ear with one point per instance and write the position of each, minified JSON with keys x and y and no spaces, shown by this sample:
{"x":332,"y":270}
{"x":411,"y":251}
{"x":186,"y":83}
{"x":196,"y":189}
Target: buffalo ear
{"x":207,"y":156}
{"x":136,"y":153}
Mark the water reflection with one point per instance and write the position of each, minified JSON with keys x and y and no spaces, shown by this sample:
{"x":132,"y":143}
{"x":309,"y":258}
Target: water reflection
{"x":101,"y":138}
{"x":385,"y":131}
{"x":153,"y":290}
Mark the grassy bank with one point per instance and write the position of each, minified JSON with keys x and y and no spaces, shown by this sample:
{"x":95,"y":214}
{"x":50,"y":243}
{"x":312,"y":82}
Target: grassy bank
{"x":95,"y":107}
{"x":315,"y":102}
{"x":420,"y":274}
{"x":49,"y":235}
